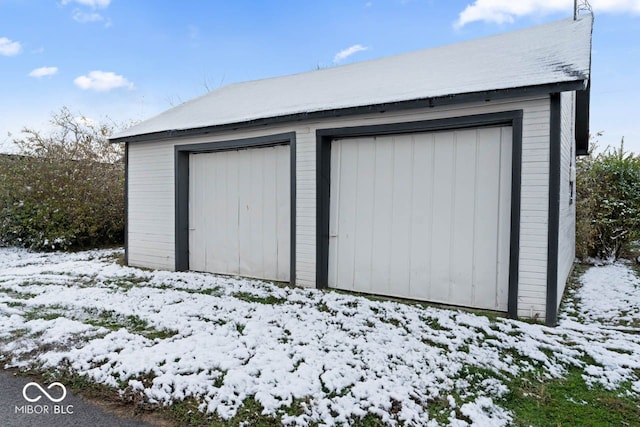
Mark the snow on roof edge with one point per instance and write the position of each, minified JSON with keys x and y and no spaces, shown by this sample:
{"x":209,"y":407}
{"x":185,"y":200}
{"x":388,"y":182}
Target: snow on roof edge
{"x":170,"y":133}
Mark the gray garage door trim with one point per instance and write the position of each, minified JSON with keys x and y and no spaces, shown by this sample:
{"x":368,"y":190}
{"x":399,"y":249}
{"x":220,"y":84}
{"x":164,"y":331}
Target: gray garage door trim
{"x":182,"y":153}
{"x":323,"y":181}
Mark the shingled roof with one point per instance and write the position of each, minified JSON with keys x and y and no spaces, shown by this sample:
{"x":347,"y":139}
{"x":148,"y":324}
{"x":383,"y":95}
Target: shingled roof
{"x":548,"y":58}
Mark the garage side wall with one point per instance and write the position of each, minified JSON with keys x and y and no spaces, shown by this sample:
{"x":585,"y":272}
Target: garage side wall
{"x":534,"y":210}
{"x":150,"y":221}
{"x":567,"y":223}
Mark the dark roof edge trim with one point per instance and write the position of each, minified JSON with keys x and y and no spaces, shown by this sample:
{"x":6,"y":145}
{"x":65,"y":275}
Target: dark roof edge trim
{"x":486,"y":96}
{"x":582,"y":121}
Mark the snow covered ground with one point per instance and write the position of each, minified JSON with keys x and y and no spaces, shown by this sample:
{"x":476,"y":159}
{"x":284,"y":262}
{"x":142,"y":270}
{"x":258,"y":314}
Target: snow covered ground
{"x":170,"y":335}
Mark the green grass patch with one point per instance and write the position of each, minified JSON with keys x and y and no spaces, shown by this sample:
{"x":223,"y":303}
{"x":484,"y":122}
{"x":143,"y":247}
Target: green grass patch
{"x":323,"y":308}
{"x":19,"y":333}
{"x":269,"y":300}
{"x":433,"y":323}
{"x":569,"y":401}
{"x":108,"y":319}
{"x":78,"y":383}
{"x":46,"y":312}
{"x":15,"y":304}
{"x":368,"y":420}
{"x":392,"y":321}
{"x":440,"y":409}
{"x":214,"y":291}
{"x":113,"y":321}
{"x":127,"y":282}
{"x":570,"y":300}
{"x":17,"y":295}
{"x":219,"y":381}
{"x":187,"y":413}
{"x":240,"y":327}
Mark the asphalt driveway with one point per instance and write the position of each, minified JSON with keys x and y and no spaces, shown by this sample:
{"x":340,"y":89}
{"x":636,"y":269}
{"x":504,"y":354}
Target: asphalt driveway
{"x":51,"y":407}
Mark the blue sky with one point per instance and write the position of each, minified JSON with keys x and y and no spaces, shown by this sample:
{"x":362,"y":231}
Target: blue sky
{"x":129,"y":60}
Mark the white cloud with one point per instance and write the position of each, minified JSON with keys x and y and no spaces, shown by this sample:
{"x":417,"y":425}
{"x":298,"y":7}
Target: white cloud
{"x":85,"y":121}
{"x":43,"y":71}
{"x":348,"y":52}
{"x":101,"y":4}
{"x":506,"y":11}
{"x":83,"y":17}
{"x":620,"y":6}
{"x":9,"y":48}
{"x":102,"y":81}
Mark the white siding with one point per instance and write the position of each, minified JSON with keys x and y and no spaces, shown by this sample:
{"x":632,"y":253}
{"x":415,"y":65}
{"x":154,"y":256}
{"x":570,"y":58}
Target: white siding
{"x":567,"y":225}
{"x":534,"y":210}
{"x":151,"y":192}
{"x":151,"y":206}
{"x":306,"y":207}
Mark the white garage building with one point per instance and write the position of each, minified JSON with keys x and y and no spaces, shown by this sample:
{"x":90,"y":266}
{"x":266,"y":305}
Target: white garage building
{"x":443,"y":175}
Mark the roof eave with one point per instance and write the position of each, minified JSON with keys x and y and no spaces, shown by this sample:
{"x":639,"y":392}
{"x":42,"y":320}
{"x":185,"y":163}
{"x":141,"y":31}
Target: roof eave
{"x":482,"y":96}
{"x":582,"y":120}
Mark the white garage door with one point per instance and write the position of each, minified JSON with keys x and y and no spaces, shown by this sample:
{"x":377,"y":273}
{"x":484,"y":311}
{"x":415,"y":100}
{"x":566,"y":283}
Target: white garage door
{"x":423,"y":216}
{"x":239,"y":210}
